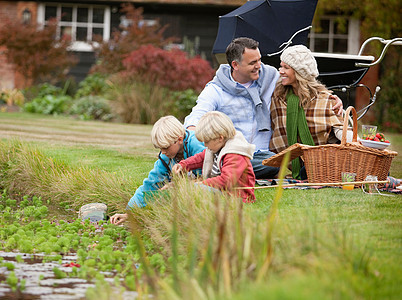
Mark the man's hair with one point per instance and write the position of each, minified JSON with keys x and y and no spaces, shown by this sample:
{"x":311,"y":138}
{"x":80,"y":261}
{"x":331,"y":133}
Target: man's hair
{"x":214,"y":124}
{"x":235,"y":50}
{"x":166,"y":131}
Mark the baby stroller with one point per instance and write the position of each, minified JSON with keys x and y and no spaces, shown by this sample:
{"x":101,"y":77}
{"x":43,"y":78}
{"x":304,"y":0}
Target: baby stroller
{"x":267,"y":21}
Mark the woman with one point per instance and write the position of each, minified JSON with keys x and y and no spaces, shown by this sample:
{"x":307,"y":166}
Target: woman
{"x":301,"y":109}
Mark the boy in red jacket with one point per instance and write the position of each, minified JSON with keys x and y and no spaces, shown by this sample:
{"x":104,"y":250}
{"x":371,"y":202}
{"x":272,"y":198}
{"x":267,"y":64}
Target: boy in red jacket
{"x":226,"y":160}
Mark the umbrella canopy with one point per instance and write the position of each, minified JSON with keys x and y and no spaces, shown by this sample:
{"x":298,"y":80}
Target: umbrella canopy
{"x":270,"y":22}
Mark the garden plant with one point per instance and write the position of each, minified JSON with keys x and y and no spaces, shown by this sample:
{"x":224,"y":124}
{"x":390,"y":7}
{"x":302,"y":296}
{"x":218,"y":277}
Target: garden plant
{"x":189,"y":244}
{"x":186,"y":243}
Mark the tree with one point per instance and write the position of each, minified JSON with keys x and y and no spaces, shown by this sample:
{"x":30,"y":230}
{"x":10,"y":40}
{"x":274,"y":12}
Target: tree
{"x":168,"y":68}
{"x":35,"y":53}
{"x":128,"y":38}
{"x":378,"y":18}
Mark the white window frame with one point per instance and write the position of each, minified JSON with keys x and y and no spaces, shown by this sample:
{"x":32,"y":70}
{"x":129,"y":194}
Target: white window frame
{"x":352,"y":37}
{"x":78,"y":45}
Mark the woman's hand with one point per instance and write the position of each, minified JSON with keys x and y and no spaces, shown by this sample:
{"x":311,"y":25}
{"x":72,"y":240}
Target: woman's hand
{"x":338,"y":107}
{"x":117,"y":219}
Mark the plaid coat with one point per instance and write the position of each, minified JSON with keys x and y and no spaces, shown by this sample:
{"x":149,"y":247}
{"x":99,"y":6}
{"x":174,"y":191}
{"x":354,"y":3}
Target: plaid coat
{"x":320,"y":120}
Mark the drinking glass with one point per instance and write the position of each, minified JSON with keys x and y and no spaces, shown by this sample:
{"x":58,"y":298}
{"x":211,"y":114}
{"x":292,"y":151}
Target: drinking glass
{"x":348,"y":177}
{"x":368,"y":130}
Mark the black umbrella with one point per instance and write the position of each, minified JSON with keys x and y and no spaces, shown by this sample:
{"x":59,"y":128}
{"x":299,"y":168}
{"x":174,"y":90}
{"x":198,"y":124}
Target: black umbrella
{"x":270,"y":22}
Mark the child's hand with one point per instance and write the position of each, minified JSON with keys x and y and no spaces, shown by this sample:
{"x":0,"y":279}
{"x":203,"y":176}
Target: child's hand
{"x":167,"y":186}
{"x":117,"y":219}
{"x":177,"y":169}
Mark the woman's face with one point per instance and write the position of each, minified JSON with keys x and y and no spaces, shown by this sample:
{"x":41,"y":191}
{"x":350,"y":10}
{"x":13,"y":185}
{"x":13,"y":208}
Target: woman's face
{"x":288,"y":76}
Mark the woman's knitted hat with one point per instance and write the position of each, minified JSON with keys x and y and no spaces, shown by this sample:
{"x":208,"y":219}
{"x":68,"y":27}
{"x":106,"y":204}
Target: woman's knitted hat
{"x":300,"y":59}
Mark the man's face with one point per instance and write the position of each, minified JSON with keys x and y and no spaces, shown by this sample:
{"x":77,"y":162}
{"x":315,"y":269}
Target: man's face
{"x":248,"y":69}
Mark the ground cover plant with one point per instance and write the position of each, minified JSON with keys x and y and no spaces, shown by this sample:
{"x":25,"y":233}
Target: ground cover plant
{"x":328,"y":243}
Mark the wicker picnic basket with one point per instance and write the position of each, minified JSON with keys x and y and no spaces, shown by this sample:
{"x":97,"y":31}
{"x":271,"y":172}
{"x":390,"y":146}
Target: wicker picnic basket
{"x":326,"y":163}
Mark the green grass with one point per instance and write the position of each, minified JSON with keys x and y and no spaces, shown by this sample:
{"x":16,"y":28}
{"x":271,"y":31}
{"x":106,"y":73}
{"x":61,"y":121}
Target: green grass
{"x":327,"y":244}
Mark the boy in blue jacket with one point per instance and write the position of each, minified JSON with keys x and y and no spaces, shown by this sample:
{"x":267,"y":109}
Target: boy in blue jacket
{"x":175,"y":144}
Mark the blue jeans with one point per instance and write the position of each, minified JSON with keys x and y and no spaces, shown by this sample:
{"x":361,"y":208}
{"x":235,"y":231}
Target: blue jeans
{"x":261,"y":171}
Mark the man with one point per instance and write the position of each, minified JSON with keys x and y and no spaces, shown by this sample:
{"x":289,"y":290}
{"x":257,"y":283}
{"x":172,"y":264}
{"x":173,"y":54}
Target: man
{"x":242,"y":89}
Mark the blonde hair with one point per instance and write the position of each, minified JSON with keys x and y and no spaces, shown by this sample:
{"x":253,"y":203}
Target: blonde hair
{"x":306,"y":90}
{"x":214,"y":124}
{"x":166,"y":131}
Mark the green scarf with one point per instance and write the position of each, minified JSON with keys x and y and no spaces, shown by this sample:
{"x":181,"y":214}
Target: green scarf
{"x":296,"y":125}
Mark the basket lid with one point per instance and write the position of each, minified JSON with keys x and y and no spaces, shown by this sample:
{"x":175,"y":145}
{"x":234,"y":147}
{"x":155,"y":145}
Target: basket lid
{"x":295,"y":150}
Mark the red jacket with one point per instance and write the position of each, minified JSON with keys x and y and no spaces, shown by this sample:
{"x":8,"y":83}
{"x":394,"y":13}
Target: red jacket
{"x":236,"y":171}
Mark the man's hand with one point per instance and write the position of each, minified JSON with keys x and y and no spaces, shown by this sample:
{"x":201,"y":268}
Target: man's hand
{"x":117,"y":219}
{"x":338,"y":107}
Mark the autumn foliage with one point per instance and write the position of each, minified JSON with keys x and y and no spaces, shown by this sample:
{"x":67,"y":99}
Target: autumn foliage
{"x":35,"y":53}
{"x":168,"y":68}
{"x":126,"y":39}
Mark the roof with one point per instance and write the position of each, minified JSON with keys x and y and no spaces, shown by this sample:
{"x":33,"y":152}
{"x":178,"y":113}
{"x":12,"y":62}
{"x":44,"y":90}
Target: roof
{"x":192,"y":2}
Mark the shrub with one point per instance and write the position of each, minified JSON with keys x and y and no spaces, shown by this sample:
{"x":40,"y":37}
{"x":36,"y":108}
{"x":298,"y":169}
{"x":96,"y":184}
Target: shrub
{"x":171,"y":69}
{"x":35,"y":53}
{"x":387,"y":114}
{"x":93,"y":84}
{"x":48,"y":105}
{"x":42,"y":90}
{"x":12,"y":97}
{"x":111,"y":53}
{"x":139,"y":103}
{"x":183,"y":102}
{"x":91,"y":108}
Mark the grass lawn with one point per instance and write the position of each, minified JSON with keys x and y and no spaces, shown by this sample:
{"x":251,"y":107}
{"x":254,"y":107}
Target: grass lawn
{"x":356,"y":238}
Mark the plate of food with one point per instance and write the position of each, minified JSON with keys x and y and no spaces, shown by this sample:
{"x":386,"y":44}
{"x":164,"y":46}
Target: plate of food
{"x":374,"y":144}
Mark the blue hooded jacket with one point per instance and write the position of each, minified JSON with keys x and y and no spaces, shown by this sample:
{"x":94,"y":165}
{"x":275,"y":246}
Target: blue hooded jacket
{"x":162,"y":168}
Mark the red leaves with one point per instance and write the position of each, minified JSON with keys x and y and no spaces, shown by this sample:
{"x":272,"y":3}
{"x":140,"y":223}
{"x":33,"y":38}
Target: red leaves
{"x":34,"y":52}
{"x":171,"y":69}
{"x":128,"y":38}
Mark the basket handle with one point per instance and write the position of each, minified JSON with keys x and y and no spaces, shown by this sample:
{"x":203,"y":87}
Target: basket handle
{"x":345,"y":125}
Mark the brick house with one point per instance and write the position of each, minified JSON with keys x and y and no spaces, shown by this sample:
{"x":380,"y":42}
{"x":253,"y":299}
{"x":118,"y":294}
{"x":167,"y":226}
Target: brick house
{"x":189,"y":20}
{"x":194,"y":21}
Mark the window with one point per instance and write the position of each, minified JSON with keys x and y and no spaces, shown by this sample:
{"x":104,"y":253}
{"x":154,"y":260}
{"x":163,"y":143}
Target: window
{"x":335,"y":35}
{"x":81,"y":23}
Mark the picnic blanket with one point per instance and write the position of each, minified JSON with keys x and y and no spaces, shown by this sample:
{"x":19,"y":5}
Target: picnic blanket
{"x":268,"y":182}
{"x":391,"y":187}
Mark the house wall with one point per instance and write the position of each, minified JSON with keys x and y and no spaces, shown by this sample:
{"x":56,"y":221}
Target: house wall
{"x":362,"y":95}
{"x":8,"y":9}
{"x":194,"y":22}
{"x":11,"y":10}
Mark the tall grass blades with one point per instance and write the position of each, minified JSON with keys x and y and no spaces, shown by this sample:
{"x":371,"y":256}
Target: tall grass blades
{"x":137,"y":102}
{"x":271,"y":220}
{"x":214,"y":247}
{"x":26,"y":170}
